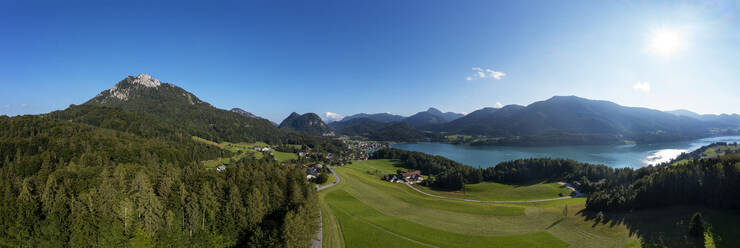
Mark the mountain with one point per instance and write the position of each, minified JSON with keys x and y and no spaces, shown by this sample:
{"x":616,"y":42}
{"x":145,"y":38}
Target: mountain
{"x":170,"y":106}
{"x":380,"y":117}
{"x":580,"y":121}
{"x":243,"y":113}
{"x":430,"y":118}
{"x":483,"y":121}
{"x":309,"y":123}
{"x":722,"y":121}
{"x":447,"y":116}
{"x":683,"y":112}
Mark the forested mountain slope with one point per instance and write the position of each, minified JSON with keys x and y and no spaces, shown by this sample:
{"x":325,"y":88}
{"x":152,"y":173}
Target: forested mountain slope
{"x":66,"y":184}
{"x":124,"y":170}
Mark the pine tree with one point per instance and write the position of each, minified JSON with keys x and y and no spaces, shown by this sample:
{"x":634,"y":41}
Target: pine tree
{"x":696,"y":226}
{"x":148,"y":206}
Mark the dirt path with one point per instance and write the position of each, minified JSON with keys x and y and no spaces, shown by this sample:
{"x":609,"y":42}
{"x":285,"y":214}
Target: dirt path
{"x":481,"y":201}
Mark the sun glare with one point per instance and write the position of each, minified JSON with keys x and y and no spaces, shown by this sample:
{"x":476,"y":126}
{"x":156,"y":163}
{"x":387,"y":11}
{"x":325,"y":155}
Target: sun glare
{"x":666,"y":42}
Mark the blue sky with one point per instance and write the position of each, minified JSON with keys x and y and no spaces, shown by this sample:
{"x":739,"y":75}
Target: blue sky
{"x":275,"y":57}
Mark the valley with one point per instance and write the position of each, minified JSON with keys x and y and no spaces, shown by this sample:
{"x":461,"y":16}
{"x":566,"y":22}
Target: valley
{"x":370,"y":211}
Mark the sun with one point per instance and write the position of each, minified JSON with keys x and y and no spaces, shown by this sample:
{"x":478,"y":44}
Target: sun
{"x":666,"y":42}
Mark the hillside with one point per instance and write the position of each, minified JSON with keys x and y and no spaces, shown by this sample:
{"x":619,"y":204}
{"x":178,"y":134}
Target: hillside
{"x":243,"y":113}
{"x":308,"y":123}
{"x":71,"y":184}
{"x":580,"y":120}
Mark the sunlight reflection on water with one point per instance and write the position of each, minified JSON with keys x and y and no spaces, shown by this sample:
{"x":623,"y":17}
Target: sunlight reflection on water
{"x":662,"y":156}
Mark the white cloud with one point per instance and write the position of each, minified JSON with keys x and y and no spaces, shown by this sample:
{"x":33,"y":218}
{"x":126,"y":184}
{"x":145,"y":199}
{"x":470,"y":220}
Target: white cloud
{"x":498,"y":105}
{"x":642,"y":86}
{"x":333,"y":116}
{"x":24,"y":105}
{"x":486,"y":73}
{"x":496,"y":74}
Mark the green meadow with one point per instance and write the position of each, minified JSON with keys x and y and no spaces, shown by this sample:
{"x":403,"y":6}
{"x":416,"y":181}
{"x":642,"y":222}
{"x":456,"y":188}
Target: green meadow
{"x":364,"y":211}
{"x":284,"y":156}
{"x":242,"y":150}
{"x":488,"y":191}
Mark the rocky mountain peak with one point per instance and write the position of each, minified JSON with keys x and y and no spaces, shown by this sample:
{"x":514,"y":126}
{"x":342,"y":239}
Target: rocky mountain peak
{"x":146,"y":80}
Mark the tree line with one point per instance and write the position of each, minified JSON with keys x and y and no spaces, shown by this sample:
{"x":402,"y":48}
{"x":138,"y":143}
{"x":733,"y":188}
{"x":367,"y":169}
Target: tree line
{"x":447,"y":174}
{"x":712,"y":182}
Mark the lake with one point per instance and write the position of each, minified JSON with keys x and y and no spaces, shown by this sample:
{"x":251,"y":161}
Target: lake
{"x":619,"y":156}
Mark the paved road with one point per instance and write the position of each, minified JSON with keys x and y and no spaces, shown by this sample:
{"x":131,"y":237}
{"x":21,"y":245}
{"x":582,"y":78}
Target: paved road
{"x":469,"y":200}
{"x":316,"y":242}
{"x":336,"y":180}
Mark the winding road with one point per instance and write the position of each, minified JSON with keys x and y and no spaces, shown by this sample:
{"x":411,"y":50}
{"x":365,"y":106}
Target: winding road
{"x":336,"y":180}
{"x":316,"y":242}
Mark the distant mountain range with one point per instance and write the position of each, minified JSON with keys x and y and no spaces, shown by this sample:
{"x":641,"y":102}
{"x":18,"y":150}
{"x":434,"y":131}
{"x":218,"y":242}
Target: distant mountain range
{"x":558,"y":120}
{"x":384,"y":126}
{"x":722,"y":120}
{"x":380,"y":117}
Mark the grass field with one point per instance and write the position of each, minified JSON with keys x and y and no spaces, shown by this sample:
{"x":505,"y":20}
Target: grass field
{"x":284,"y":156}
{"x":457,"y":137}
{"x":364,"y":211}
{"x":242,"y":150}
{"x":482,"y":191}
{"x":501,"y":192}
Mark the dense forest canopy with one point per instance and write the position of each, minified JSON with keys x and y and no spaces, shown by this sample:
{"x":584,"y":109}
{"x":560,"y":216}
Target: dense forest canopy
{"x":123,"y":170}
{"x":71,"y":184}
{"x":713,"y":181}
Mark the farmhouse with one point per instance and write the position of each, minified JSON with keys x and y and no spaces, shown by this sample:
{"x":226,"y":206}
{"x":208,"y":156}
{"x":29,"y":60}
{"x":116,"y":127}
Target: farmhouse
{"x":405,"y":177}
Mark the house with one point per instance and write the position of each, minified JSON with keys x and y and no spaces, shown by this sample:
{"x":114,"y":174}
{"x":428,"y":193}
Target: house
{"x":221,"y":168}
{"x":406,"y":177}
{"x":410,"y":174}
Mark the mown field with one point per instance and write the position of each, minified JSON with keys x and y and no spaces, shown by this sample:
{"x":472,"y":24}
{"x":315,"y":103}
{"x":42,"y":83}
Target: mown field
{"x":488,"y":191}
{"x":364,"y":211}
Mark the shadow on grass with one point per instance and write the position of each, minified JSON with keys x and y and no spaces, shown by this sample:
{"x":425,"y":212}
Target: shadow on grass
{"x":554,"y":224}
{"x":668,"y":227}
